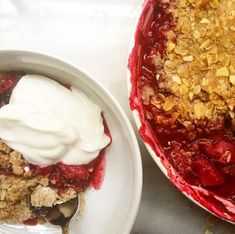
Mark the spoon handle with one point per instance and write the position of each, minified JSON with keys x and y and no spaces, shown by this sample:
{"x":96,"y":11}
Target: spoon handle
{"x":65,"y":229}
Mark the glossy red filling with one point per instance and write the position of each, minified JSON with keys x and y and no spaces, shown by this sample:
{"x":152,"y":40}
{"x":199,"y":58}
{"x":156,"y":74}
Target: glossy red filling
{"x":208,"y":167}
{"x":60,"y":175}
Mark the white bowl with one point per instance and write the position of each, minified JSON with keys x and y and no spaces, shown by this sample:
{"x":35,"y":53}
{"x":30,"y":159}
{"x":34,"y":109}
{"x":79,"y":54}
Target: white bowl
{"x":113,"y":208}
{"x":194,"y":193}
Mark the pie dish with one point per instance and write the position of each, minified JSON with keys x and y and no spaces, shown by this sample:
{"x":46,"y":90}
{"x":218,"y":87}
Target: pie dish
{"x":122,"y":158}
{"x":182,"y":95}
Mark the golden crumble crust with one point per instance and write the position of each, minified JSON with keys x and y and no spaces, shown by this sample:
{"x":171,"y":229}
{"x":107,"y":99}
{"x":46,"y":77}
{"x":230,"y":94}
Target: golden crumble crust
{"x":199,"y":64}
{"x":15,"y":198}
{"x":15,"y":212}
{"x":20,"y":191}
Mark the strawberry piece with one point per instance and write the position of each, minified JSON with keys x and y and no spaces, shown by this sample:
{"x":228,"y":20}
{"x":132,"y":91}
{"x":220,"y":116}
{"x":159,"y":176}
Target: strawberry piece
{"x":80,"y":186}
{"x":230,"y":170}
{"x":57,"y":180}
{"x":42,"y":171}
{"x":182,"y":162}
{"x":31,"y":221}
{"x":223,"y":151}
{"x":8,"y":81}
{"x":73,"y":172}
{"x":207,"y":173}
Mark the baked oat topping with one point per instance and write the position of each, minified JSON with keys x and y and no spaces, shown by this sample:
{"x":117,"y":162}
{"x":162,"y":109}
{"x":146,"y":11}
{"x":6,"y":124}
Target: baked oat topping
{"x":43,"y":196}
{"x":14,"y":198}
{"x":199,"y":67}
{"x":20,"y":190}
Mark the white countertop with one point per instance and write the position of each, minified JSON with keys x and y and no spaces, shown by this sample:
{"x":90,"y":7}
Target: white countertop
{"x":95,"y":36}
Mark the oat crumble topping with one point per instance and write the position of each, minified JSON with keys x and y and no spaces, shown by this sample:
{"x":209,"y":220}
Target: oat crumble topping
{"x":20,"y":191}
{"x":198,"y":72}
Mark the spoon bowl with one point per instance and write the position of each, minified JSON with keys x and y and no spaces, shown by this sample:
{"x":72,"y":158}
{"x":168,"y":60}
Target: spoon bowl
{"x":61,"y":214}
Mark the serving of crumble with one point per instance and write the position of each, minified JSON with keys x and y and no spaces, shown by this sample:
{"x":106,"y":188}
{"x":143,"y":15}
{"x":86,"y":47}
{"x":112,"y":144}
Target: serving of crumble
{"x":28,"y":190}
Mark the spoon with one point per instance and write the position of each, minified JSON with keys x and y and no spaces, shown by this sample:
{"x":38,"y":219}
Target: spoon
{"x":61,"y":214}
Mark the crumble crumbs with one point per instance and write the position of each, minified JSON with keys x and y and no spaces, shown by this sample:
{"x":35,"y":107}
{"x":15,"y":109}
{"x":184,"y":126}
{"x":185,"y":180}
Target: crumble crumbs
{"x":14,"y":198}
{"x":20,"y":192}
{"x":43,"y":196}
{"x":198,"y":71}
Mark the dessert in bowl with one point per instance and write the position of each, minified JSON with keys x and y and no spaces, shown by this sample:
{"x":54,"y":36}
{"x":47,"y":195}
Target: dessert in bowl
{"x":50,"y":113}
{"x":182,"y":96}
{"x":53,"y":142}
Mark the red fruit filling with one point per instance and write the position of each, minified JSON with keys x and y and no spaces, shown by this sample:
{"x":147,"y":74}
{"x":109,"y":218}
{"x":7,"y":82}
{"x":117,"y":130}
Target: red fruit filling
{"x":207,"y":173}
{"x":222,"y":151}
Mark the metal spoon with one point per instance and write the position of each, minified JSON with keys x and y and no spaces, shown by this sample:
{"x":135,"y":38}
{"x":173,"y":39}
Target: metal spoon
{"x":61,"y":214}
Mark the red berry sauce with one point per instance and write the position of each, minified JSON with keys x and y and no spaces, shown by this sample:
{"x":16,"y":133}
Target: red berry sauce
{"x":208,"y":175}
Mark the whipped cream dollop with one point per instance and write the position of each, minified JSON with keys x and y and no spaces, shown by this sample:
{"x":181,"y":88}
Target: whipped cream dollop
{"x":49,"y":123}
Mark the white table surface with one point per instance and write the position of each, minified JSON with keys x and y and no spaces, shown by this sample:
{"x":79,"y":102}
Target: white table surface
{"x":95,"y":36}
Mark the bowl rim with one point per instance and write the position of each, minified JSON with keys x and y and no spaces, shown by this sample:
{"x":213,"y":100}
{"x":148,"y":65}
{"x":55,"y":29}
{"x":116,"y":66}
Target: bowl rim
{"x":138,"y":124}
{"x":137,"y":167}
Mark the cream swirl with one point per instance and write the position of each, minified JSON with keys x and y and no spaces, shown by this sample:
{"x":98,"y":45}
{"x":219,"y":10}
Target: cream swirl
{"x":48,"y":123}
